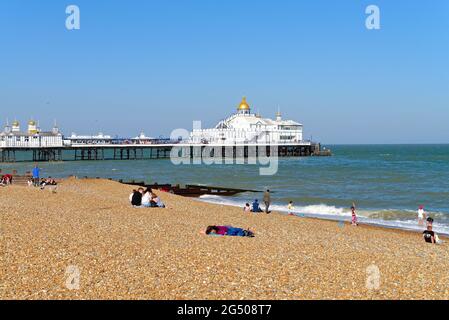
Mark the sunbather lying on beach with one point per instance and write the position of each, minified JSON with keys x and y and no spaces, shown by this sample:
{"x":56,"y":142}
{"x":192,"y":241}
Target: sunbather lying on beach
{"x":48,"y":182}
{"x":228,"y":231}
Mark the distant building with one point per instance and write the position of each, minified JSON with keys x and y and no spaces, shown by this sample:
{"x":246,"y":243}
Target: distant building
{"x":142,"y":139}
{"x":244,"y":127}
{"x":93,"y":139}
{"x":13,"y":137}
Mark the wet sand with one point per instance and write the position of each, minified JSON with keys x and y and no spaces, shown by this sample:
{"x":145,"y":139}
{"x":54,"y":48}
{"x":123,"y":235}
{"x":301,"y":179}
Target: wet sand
{"x":127,"y":253}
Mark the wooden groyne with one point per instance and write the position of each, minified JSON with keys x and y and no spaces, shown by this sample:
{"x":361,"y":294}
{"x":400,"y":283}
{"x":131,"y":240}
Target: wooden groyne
{"x":190,"y":190}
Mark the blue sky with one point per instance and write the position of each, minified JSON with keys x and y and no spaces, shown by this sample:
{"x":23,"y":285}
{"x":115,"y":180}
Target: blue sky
{"x":159,"y":65}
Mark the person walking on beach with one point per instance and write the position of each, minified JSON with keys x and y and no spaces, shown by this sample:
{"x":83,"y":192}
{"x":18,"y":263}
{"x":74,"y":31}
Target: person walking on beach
{"x":267,"y":200}
{"x":421,"y":215}
{"x":290,"y":208}
{"x":36,"y":174}
{"x":354,"y":216}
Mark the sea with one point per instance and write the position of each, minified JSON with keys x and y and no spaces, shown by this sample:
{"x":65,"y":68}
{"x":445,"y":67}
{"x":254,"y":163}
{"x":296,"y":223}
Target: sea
{"x":386,"y":182}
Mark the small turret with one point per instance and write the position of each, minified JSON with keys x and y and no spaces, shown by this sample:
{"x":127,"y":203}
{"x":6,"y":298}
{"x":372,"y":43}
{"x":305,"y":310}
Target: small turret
{"x":32,"y":127}
{"x":55,"y":129}
{"x":7,"y":127}
{"x":278,"y":116}
{"x":15,"y":126}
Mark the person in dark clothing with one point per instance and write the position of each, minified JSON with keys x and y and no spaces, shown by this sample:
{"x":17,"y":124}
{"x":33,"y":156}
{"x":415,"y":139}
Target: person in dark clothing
{"x":429,"y":235}
{"x":256,"y":207}
{"x":136,"y":199}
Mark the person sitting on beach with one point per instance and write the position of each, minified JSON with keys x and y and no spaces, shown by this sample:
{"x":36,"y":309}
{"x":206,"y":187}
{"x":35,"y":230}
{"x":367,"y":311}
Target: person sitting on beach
{"x":430,"y":228}
{"x":247,"y":208}
{"x":156,"y":201}
{"x":354,"y":216}
{"x":6,"y":179}
{"x":421,"y":215}
{"x":429,"y":235}
{"x":146,"y":198}
{"x":256,"y":207}
{"x":136,"y":199}
{"x":228,"y":231}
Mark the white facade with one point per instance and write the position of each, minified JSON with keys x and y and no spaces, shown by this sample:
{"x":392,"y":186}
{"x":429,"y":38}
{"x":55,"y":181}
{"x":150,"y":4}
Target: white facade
{"x":99,"y":139}
{"x":12,"y":137}
{"x":244,"y":127}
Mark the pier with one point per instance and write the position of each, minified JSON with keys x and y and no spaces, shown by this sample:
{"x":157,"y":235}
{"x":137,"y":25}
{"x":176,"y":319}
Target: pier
{"x":157,"y":150}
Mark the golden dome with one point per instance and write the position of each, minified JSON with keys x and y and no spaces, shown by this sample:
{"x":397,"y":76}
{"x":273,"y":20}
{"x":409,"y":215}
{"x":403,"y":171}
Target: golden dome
{"x":15,"y":123}
{"x":243,"y":105}
{"x":32,"y":123}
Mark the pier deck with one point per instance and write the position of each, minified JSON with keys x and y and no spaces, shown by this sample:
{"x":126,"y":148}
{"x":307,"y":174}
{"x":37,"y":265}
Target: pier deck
{"x":96,"y":152}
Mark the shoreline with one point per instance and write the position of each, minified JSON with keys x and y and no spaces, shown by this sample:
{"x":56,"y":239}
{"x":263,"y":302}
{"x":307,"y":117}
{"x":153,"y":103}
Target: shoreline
{"x":335,"y":218}
{"x":127,"y":253}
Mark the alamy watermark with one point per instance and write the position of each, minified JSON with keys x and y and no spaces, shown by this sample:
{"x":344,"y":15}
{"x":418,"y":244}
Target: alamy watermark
{"x":372,"y":22}
{"x":206,"y":152}
{"x":73,"y":21}
{"x":372,"y":277}
{"x":73,"y":276}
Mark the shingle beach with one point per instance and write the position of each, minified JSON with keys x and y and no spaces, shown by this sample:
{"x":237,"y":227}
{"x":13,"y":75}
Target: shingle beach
{"x":88,"y":231}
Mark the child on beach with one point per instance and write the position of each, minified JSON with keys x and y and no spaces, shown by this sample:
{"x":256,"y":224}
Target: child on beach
{"x":421,"y":215}
{"x":354,"y":216}
{"x":290,"y":208}
{"x":228,"y":231}
{"x":247,"y":208}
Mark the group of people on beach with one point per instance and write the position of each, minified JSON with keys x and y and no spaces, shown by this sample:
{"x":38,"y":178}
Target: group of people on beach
{"x":429,"y":235}
{"x":36,"y":181}
{"x":145,"y":198}
{"x":255,"y":207}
